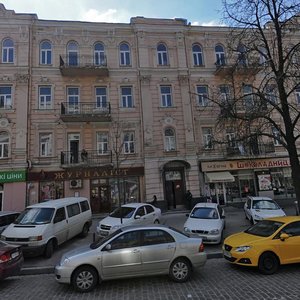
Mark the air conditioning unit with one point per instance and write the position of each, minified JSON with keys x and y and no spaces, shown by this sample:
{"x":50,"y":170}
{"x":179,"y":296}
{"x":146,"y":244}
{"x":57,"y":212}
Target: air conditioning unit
{"x":76,"y":184}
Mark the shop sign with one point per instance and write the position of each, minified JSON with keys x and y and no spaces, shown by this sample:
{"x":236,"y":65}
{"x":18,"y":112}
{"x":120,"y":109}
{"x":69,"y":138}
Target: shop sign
{"x":13,"y":176}
{"x":267,"y":163}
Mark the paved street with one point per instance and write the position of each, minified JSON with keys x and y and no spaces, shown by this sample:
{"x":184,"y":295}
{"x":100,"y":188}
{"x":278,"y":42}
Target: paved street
{"x":216,"y":280}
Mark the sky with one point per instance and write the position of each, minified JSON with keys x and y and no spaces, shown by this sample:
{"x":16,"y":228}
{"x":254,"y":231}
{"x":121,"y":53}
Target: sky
{"x":198,"y":12}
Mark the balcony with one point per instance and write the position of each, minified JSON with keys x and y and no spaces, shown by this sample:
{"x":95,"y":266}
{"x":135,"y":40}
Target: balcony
{"x":85,"y":112}
{"x":239,"y":68}
{"x":250,"y":150}
{"x":92,"y":158}
{"x":83,"y":65}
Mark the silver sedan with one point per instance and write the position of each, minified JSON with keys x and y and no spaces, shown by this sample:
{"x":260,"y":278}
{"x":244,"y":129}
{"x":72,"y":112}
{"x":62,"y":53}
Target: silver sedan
{"x":132,"y":252}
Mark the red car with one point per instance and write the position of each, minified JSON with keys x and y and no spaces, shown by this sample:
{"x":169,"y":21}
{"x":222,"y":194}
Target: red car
{"x":11,"y":260}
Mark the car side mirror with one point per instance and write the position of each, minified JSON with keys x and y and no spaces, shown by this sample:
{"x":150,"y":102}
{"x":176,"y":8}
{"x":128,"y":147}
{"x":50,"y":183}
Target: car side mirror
{"x":284,"y":236}
{"x":137,"y":217}
{"x":108,"y":247}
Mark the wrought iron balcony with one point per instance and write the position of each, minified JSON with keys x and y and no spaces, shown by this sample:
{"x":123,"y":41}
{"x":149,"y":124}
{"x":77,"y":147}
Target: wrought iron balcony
{"x":82,"y":65}
{"x":84,"y":159}
{"x":251,"y":150}
{"x":85,"y":112}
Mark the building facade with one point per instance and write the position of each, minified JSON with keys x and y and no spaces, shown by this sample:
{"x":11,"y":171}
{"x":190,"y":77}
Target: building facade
{"x":120,"y":111}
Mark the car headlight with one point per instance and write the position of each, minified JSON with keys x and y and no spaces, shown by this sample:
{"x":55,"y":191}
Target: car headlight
{"x":186,"y":229}
{"x":214,"y":231}
{"x":242,"y":248}
{"x":115,"y":227}
{"x":2,"y":238}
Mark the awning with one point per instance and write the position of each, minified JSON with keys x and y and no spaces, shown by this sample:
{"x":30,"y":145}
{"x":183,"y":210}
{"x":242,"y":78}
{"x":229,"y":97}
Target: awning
{"x":219,"y":177}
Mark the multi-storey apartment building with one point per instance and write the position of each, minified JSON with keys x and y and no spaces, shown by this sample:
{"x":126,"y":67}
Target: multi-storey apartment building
{"x":120,"y":111}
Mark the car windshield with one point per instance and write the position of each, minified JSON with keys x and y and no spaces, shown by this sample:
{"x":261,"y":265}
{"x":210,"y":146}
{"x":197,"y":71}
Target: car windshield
{"x":204,"y":213}
{"x":100,"y":242}
{"x":264,"y":204}
{"x":123,"y":212}
{"x":35,"y":216}
{"x":264,"y":228}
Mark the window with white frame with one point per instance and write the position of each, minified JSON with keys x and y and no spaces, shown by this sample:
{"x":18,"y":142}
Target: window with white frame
{"x":124,"y":55}
{"x":170,"y":139}
{"x":99,"y":54}
{"x":248,"y":96}
{"x":166,"y":96}
{"x":73,"y":53}
{"x":207,"y":137}
{"x":45,"y":97}
{"x":220,"y":55}
{"x":276,"y":135}
{"x":73,"y":100}
{"x":224,"y":93}
{"x":197,"y":55}
{"x":297,"y":91}
{"x":5,"y":97}
{"x":8,"y":51}
{"x":202,"y":93}
{"x":126,"y":96}
{"x":4,"y":144}
{"x":45,"y":144}
{"x":102,"y":143}
{"x":162,"y":55}
{"x":128,"y":143}
{"x":231,"y":139}
{"x":101,"y":97}
{"x":45,"y":53}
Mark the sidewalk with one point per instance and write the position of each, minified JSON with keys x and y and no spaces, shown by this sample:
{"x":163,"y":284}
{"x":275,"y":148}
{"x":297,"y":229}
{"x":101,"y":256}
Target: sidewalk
{"x":235,"y":222}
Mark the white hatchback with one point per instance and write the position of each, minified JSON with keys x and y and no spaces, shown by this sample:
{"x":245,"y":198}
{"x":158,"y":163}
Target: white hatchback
{"x":129,"y":214}
{"x":206,"y":220}
{"x":259,"y":208}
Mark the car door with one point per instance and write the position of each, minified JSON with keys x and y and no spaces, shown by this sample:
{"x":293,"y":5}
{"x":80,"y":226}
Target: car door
{"x":60,"y":225}
{"x":140,"y":216}
{"x":290,"y":248}
{"x":124,"y":257}
{"x":157,"y":251}
{"x":150,"y":214}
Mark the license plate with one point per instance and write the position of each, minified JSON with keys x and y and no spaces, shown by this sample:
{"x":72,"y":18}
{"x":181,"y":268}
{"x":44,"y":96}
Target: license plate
{"x":15,"y":254}
{"x":227,"y":253}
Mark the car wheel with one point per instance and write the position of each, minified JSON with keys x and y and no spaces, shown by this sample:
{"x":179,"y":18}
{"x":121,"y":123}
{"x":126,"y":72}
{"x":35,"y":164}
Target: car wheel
{"x":156,"y":221}
{"x":180,"y":270}
{"x":85,"y":231}
{"x":268,"y":263}
{"x":84,"y":279}
{"x":49,"y":249}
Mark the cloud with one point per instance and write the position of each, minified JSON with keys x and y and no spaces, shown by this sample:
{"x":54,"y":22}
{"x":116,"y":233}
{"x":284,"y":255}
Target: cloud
{"x":108,"y":16}
{"x":210,"y":23}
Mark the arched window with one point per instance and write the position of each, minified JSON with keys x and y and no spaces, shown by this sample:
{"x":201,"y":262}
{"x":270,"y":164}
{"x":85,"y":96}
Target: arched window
{"x":220,"y":55}
{"x":99,"y":54}
{"x":45,"y":53}
{"x":8,"y":51}
{"x":197,"y":55}
{"x":4,"y":144}
{"x":162,"y":55}
{"x":124,"y":55}
{"x":72,"y":54}
{"x":170,"y":139}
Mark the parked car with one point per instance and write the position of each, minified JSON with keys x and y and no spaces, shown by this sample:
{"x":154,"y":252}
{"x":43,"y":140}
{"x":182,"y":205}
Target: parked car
{"x":132,"y":251}
{"x":129,"y":214}
{"x":6,"y":218}
{"x":41,"y":227}
{"x":206,"y":220}
{"x":259,"y":208}
{"x":11,"y":260}
{"x":266,"y":245}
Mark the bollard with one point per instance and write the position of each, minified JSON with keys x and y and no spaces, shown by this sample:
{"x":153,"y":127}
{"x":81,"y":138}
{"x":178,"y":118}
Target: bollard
{"x":297,"y":208}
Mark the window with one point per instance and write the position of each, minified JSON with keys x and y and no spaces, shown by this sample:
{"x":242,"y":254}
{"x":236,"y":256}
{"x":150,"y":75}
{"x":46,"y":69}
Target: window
{"x":84,"y":206}
{"x":262,"y":55}
{"x":292,"y":229}
{"x":45,"y":53}
{"x":155,"y":237}
{"x":72,"y":54}
{"x":248,"y":96}
{"x":220,"y":55}
{"x":242,"y":56}
{"x":60,"y":215}
{"x":99,"y":55}
{"x":166,"y":96}
{"x":197,"y":55}
{"x":140,"y":212}
{"x":149,"y":209}
{"x":124,"y":55}
{"x":126,"y":240}
{"x":73,"y":210}
{"x":45,"y":144}
{"x":170,"y":140}
{"x":102,"y":143}
{"x":129,"y":143}
{"x":4,"y":143}
{"x":126,"y":96}
{"x":231,"y":141}
{"x":270,"y":94}
{"x":45,"y":97}
{"x":207,"y":138}
{"x":7,"y":51}
{"x":162,"y":55}
{"x":297,"y":91}
{"x":202,"y":92}
{"x":73,"y":99}
{"x":101,"y":97}
{"x":225,"y":93}
{"x":5,"y":97}
{"x":277,"y":137}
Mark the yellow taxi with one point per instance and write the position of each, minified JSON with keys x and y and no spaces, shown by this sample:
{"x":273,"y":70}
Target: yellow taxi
{"x":267,"y":244}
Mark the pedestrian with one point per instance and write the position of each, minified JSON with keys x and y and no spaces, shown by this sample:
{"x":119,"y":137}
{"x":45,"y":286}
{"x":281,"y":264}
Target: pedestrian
{"x":84,"y":155}
{"x":188,"y":199}
{"x":154,"y":201}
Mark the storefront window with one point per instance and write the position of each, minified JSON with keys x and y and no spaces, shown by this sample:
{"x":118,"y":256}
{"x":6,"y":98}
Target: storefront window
{"x":51,"y":190}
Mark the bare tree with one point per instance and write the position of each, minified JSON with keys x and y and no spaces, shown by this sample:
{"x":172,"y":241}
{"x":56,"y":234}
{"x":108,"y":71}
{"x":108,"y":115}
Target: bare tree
{"x":263,"y":75}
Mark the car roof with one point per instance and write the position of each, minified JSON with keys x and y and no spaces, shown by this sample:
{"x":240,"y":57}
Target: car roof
{"x":134,"y":204}
{"x":285,"y":219}
{"x":260,"y":198}
{"x":141,"y":227}
{"x":207,"y":204}
{"x":4,"y":213}
{"x":58,"y":202}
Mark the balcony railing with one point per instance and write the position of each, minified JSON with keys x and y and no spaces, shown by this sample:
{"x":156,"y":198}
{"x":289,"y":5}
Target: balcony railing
{"x":85,"y":112}
{"x":248,"y":150}
{"x":87,"y":158}
{"x":82,"y":65}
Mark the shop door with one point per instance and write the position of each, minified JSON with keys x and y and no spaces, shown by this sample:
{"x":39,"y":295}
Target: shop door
{"x":100,"y":200}
{"x":174,"y":188}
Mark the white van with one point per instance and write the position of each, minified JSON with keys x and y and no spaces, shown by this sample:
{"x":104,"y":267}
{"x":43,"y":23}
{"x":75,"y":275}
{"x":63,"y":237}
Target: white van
{"x":41,"y":227}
